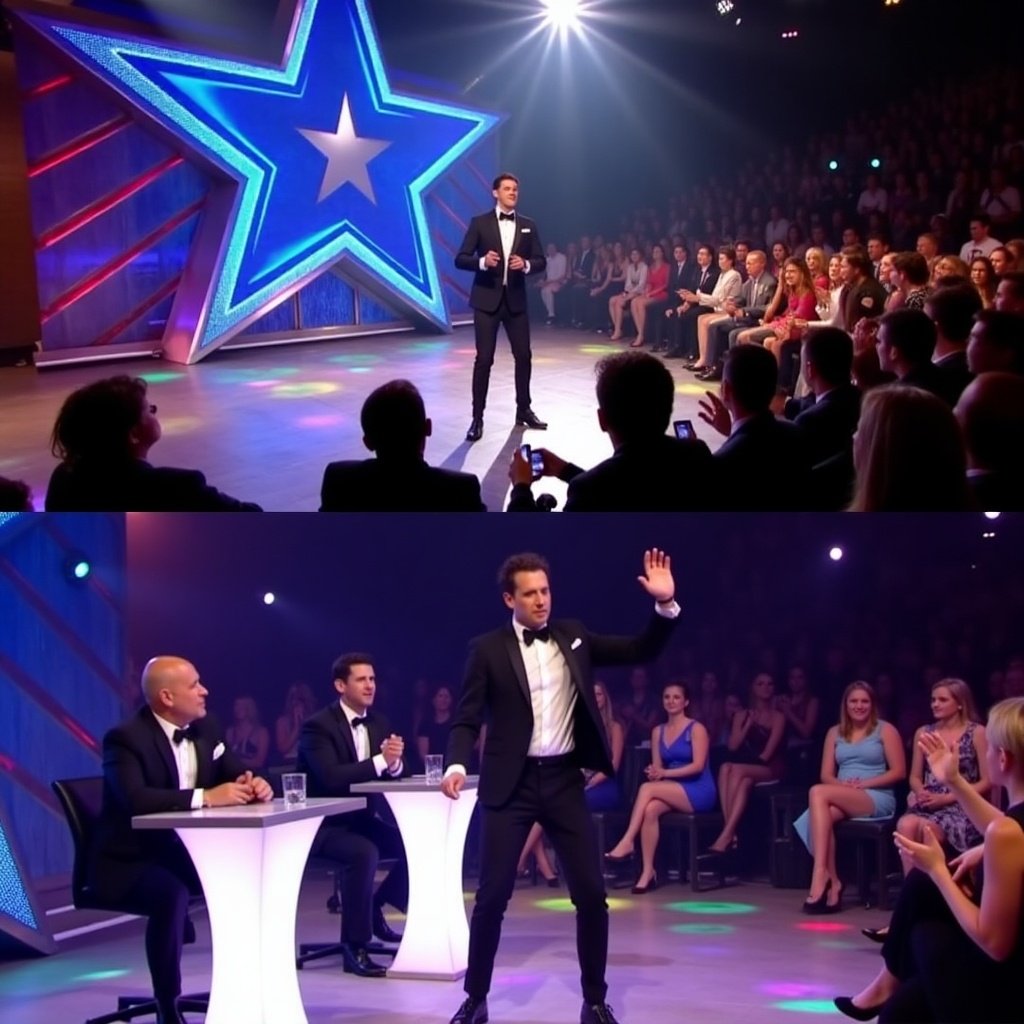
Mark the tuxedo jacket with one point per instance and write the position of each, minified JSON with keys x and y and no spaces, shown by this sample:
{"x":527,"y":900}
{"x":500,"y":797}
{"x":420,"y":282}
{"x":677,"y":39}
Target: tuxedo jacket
{"x":375,"y":485}
{"x":756,"y":299}
{"x":764,"y":465}
{"x":327,"y":753}
{"x":828,"y":424}
{"x":140,"y":776}
{"x":481,"y":237}
{"x":496,"y":690}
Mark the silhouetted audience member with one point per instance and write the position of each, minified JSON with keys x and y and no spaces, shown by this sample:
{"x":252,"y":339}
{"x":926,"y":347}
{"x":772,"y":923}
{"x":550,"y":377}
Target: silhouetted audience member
{"x":648,"y":472}
{"x":396,"y":427}
{"x":1010,"y":293}
{"x":952,"y":310}
{"x":908,"y":454}
{"x":862,"y":295}
{"x":102,"y":436}
{"x":15,"y":496}
{"x":996,"y":342}
{"x":991,"y":415}
{"x":905,"y":343}
{"x":764,"y":462}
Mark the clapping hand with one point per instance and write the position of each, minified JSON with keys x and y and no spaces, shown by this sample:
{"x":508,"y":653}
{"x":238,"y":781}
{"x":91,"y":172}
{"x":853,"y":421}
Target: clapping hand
{"x":927,"y":856}
{"x":392,"y":748}
{"x":657,"y":578}
{"x":966,"y":863}
{"x":943,"y":761}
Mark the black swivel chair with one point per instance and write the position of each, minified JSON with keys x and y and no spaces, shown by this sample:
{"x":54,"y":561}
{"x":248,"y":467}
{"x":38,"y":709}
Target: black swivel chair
{"x":81,"y":800}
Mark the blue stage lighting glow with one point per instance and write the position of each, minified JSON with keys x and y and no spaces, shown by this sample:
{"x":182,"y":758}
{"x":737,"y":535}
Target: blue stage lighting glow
{"x":286,"y":225}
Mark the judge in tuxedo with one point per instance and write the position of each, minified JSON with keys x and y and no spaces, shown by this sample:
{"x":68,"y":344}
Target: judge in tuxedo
{"x":532,"y":681}
{"x":345,"y":743}
{"x":502,"y":249}
{"x":170,"y":756}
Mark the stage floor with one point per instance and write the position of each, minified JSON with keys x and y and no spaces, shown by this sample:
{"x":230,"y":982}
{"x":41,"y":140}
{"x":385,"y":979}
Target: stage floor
{"x":262,"y":423}
{"x":731,"y":956}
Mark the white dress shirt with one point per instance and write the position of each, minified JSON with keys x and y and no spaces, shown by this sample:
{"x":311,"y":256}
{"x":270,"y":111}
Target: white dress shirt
{"x":361,"y":740}
{"x":552,"y":696}
{"x":507,"y":230}
{"x":184,"y":754}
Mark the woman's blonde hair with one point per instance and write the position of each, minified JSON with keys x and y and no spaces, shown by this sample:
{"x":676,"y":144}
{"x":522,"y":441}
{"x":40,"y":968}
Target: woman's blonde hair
{"x":1006,"y":727}
{"x":845,"y":722}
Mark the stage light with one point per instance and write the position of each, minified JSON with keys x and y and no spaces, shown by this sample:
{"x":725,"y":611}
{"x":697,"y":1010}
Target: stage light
{"x":562,"y":15}
{"x":988,"y":534}
{"x":725,"y":6}
{"x":791,"y":34}
{"x":269,"y":598}
{"x":835,"y":553}
{"x":991,"y":515}
{"x":77,"y":567}
{"x":833,"y":165}
{"x":875,"y":163}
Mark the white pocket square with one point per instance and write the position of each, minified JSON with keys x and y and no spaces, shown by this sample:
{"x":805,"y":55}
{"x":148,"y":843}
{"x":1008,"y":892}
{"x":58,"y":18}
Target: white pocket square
{"x":218,"y":751}
{"x":526,"y":231}
{"x":575,"y":644}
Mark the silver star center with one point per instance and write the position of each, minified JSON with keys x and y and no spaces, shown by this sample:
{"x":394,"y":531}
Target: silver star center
{"x":348,"y":155}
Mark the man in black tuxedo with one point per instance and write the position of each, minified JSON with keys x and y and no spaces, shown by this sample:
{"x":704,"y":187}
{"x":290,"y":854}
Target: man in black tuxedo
{"x":649,"y":472}
{"x":396,"y":428}
{"x":170,"y":756}
{"x":680,"y":277}
{"x":532,"y":681}
{"x":345,"y":743}
{"x":502,"y":249}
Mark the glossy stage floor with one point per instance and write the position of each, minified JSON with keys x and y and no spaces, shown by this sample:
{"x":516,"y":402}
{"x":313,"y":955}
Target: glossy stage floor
{"x":262,"y":423}
{"x":735,"y":955}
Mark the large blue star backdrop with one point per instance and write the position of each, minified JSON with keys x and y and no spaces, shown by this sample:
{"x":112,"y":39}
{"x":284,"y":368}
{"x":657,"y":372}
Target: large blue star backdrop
{"x":183,"y":195}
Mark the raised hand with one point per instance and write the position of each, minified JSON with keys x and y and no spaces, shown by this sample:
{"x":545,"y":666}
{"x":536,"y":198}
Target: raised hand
{"x":657,"y":578}
{"x":942,"y":760}
{"x":714,"y":413}
{"x":927,"y":856}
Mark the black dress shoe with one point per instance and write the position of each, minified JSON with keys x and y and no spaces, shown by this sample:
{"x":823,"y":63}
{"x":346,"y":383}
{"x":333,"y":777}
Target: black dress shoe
{"x":476,"y":429}
{"x":820,"y":905}
{"x":355,"y":960}
{"x":876,"y":934}
{"x":382,"y":929}
{"x":528,"y":418}
{"x":472,"y":1011}
{"x":844,"y":1004}
{"x":715,"y":373}
{"x":597,"y":1013}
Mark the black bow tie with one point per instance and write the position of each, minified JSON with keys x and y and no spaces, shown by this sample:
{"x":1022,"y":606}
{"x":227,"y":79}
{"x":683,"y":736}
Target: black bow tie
{"x":543,"y":634}
{"x":358,"y":721}
{"x":188,"y":733}
{"x":506,"y":216}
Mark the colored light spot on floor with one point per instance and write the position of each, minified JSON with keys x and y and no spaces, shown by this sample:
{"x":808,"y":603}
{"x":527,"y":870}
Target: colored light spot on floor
{"x":807,"y":1006}
{"x":160,"y":376}
{"x":702,"y":929}
{"x":708,"y":907}
{"x":319,"y":422}
{"x":822,"y":926}
{"x":304,"y":389}
{"x":693,"y":389}
{"x":101,"y":975}
{"x":792,"y":989}
{"x":599,"y":350}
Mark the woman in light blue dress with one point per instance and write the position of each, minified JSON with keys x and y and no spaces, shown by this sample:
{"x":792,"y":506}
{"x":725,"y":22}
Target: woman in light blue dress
{"x":679,"y":779}
{"x":862,"y":761}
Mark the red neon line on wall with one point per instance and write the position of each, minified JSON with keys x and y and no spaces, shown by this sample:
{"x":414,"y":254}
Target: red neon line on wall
{"x":107,"y":202}
{"x":140,"y":310}
{"x":44,"y":87}
{"x":79,"y":145}
{"x":107,"y":271}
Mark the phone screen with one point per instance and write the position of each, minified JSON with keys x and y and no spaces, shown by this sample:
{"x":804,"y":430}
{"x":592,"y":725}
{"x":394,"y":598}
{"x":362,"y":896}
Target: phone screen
{"x":535,"y":459}
{"x":684,"y":430}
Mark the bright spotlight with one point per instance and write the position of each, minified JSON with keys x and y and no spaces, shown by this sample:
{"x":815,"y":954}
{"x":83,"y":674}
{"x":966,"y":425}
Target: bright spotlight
{"x":875,"y":163}
{"x":835,"y":553}
{"x":562,"y":15}
{"x":991,"y":515}
{"x":77,"y":568}
{"x":833,"y":165}
{"x":269,"y":598}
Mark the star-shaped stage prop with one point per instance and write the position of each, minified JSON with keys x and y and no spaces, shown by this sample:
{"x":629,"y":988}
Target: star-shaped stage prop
{"x":317,"y":161}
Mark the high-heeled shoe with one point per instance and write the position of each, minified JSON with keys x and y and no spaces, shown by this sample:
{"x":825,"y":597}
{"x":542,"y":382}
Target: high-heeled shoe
{"x":552,"y":882}
{"x":845,"y":1004}
{"x":621,"y":858}
{"x":639,"y":890}
{"x":820,"y":905}
{"x":834,"y":907}
{"x":876,"y":934}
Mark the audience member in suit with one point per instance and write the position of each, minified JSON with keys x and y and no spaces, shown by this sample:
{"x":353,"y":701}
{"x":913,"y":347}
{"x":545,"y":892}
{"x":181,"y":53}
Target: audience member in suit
{"x":681,"y":276}
{"x":15,"y":496}
{"x":991,"y":416}
{"x":1010,"y":293}
{"x":580,"y":285}
{"x":828,"y":416}
{"x":531,"y":769}
{"x":648,"y":472}
{"x":169,"y":756}
{"x":727,"y":287}
{"x":996,"y":342}
{"x":396,"y":428}
{"x":683,"y":318}
{"x":905,"y":343}
{"x":102,"y":435}
{"x":746,"y":311}
{"x":502,"y":249}
{"x":763,"y":463}
{"x":862,"y":295}
{"x":908,"y":454}
{"x":342,"y":744}
{"x":952,"y":310}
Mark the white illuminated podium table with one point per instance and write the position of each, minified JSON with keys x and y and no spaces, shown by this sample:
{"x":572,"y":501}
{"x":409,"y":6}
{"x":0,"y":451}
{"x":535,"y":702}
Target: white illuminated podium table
{"x":250,"y":860}
{"x":435,"y":943}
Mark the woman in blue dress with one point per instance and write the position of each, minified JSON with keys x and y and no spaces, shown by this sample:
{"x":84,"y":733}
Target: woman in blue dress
{"x":679,"y":779}
{"x":862,"y":761}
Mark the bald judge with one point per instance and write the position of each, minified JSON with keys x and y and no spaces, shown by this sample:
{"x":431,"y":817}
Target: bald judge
{"x":170,"y":756}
